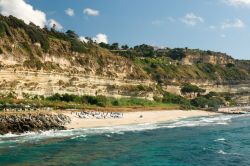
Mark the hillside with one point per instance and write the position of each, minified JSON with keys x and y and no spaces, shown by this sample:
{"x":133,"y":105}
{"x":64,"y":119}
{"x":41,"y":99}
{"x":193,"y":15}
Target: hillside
{"x":38,"y":61}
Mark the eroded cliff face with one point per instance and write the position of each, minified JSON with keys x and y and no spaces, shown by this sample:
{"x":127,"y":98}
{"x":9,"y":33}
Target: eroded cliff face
{"x":27,"y":70}
{"x":36,"y":61}
{"x":190,"y":59}
{"x":31,"y":83}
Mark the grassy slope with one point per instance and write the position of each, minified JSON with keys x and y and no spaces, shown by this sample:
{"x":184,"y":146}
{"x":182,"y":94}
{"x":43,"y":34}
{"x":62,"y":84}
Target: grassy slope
{"x":161,"y":70}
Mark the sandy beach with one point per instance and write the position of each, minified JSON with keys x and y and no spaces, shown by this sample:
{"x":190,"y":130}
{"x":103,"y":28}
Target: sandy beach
{"x":135,"y":118}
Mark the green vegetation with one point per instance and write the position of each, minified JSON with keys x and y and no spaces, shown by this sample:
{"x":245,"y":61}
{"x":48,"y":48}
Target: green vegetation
{"x":70,"y":101}
{"x":37,"y":36}
{"x":26,"y":47}
{"x":228,"y":73}
{"x":177,"y":53}
{"x":175,"y":99}
{"x":76,"y":44}
{"x":160,"y":69}
{"x":163,"y":70}
{"x":162,"y":64}
{"x":189,"y":88}
{"x":4,"y":28}
{"x":203,"y":102}
{"x":103,"y":101}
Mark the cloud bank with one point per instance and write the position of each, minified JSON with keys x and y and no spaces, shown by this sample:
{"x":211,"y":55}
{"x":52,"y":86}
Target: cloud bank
{"x":24,"y":11}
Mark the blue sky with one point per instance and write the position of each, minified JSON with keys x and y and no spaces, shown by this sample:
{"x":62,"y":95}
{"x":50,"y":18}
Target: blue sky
{"x":219,"y":25}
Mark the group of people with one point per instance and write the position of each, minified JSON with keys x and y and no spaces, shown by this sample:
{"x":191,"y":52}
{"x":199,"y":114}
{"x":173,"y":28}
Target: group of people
{"x":97,"y":115}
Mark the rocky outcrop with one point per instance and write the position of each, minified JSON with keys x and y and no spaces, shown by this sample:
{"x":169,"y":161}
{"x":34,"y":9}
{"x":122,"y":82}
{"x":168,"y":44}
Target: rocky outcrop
{"x":31,"y":83}
{"x":190,"y":59}
{"x":26,"y":122}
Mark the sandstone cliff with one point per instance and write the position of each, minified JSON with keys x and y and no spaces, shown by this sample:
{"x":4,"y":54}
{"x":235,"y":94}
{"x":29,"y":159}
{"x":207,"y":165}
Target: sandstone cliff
{"x":36,"y":61}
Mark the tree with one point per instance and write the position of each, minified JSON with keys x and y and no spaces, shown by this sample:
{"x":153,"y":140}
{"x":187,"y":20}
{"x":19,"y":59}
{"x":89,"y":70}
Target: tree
{"x":189,"y":88}
{"x":114,"y":46}
{"x":177,"y":53}
{"x":104,"y":45}
{"x":125,"y":47}
{"x":145,"y":50}
{"x":72,"y":34}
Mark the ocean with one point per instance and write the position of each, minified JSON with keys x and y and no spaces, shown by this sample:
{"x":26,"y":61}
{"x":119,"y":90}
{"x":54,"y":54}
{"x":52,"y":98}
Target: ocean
{"x":204,"y":141}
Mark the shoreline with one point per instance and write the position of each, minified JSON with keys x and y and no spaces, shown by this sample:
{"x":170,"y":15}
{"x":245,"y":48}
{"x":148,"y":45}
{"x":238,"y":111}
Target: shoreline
{"x":137,"y":117}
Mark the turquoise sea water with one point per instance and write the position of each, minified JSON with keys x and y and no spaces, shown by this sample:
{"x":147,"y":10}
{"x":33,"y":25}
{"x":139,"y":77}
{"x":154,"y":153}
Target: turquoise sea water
{"x":204,"y":141}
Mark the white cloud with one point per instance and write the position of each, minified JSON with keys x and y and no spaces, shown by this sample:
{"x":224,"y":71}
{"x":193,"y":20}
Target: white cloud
{"x":91,"y":12}
{"x":237,"y":23}
{"x":52,"y":23}
{"x":23,"y":10}
{"x":191,"y":19}
{"x":100,"y":38}
{"x":83,"y":39}
{"x":238,"y":3}
{"x":70,"y":12}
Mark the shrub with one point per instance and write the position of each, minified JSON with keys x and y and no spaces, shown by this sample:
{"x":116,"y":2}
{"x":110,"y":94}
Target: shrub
{"x":215,"y":102}
{"x":65,"y":97}
{"x":77,"y":46}
{"x":172,"y":98}
{"x":200,"y":102}
{"x":55,"y":97}
{"x":70,"y":98}
{"x":177,"y":53}
{"x":157,"y":99}
{"x":26,"y":47}
{"x":189,"y":88}
{"x":4,"y":28}
{"x":102,"y":101}
{"x":229,"y":65}
{"x":33,"y":63}
{"x":144,"y":50}
{"x":211,"y":94}
{"x":37,"y":36}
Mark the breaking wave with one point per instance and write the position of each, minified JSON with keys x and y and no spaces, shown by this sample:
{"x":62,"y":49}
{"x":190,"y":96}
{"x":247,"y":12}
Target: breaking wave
{"x":82,"y":133}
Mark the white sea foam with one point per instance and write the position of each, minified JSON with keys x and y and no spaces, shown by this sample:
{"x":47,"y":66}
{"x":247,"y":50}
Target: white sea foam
{"x":79,"y":136}
{"x":220,"y":139}
{"x":222,"y":152}
{"x":77,"y":133}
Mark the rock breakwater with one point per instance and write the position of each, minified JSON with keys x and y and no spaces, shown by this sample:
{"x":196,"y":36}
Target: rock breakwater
{"x":26,"y":122}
